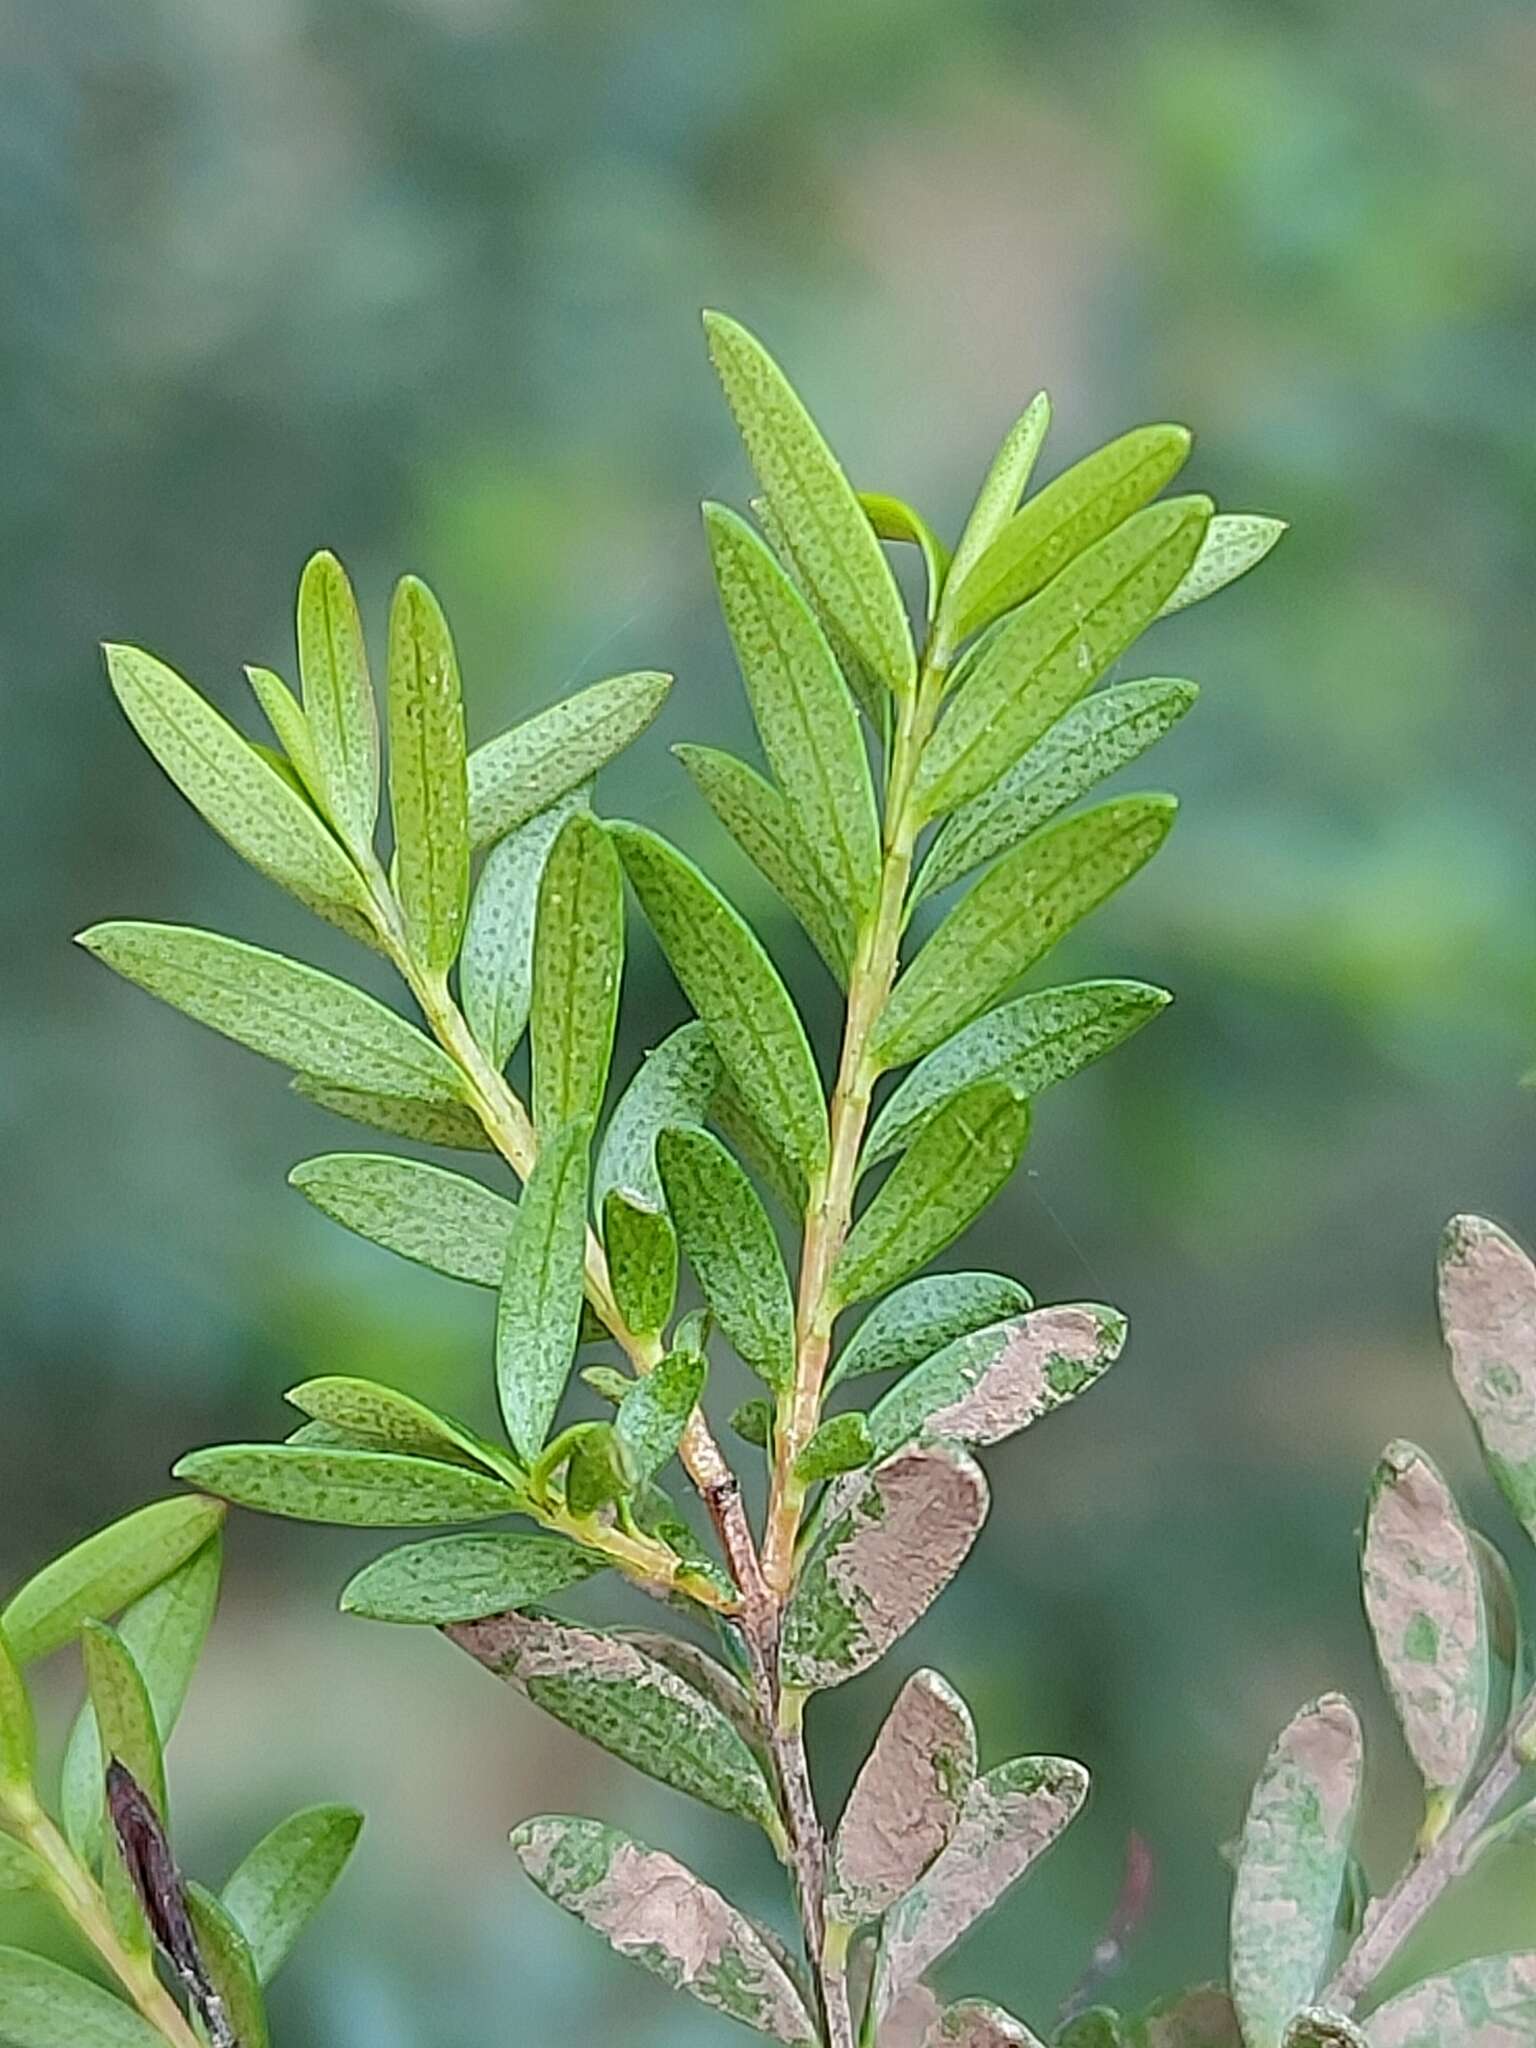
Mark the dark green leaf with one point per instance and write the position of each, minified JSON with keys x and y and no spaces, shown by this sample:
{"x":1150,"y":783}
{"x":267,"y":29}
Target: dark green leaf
{"x":231,"y":1967}
{"x":44,"y":2006}
{"x":642,"y":1261}
{"x":451,"y":1124}
{"x":340,"y":713}
{"x":729,"y":1242}
{"x":922,"y":1317}
{"x":1202,"y":2018}
{"x":578,"y":961}
{"x":496,"y":967}
{"x":287,"y":1877}
{"x":655,"y":1411}
{"x":1235,"y":542}
{"x":357,"y":1489}
{"x":753,"y":1422}
{"x":428,"y":783}
{"x":379,"y":1418}
{"x":841,"y":1444}
{"x":426,"y":1213}
{"x":106,"y":1573}
{"x":466,"y":1578}
{"x":522,"y":772}
{"x":539,"y":1314}
{"x":1488,"y":1314}
{"x":1098,"y":2027}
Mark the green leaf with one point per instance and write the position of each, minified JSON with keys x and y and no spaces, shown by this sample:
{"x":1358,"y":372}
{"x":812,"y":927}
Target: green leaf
{"x":803,"y":712}
{"x":245,"y":801}
{"x":539,"y":1314}
{"x":870,"y":692}
{"x":276,"y":1890}
{"x":599,"y":1472}
{"x":841,"y":1444}
{"x":296,"y":744}
{"x":466,"y":1578}
{"x":20,"y":1870}
{"x":1010,"y":1819}
{"x":1029,"y":1044}
{"x":753,"y":1423}
{"x":995,"y":1381}
{"x":1078,"y":508}
{"x":761,"y":1149}
{"x":696,"y":1668}
{"x":607,"y":1689}
{"x":1424,"y":1601}
{"x":674,"y":1084}
{"x":230,"y":1965}
{"x":18,"y":1729}
{"x":729,"y":1242}
{"x":1291,"y":1866}
{"x":496,"y":967}
{"x":426,"y":1213}
{"x":894,"y":519}
{"x":1490,"y":2003}
{"x":958,"y":1161}
{"x":44,"y":2006}
{"x":997,"y":500}
{"x":650,"y":1908}
{"x":125,"y":1718}
{"x":1235,"y":542}
{"x":880,"y":1562}
{"x":451,"y":1124}
{"x":106,"y":1572}
{"x":1097,"y":2027}
{"x":1052,"y":651}
{"x":578,"y":962}
{"x":1013,"y":916}
{"x":906,"y":1802}
{"x":764,"y":826}
{"x":324,"y":1028}
{"x":835,"y":548}
{"x":922,"y":1317}
{"x":1488,"y":1314}
{"x":1315,"y":2028}
{"x":736,"y":990}
{"x":356,"y":1489}
{"x":428,"y":780}
{"x":380,"y":1418}
{"x":1096,"y":738}
{"x":642,"y":1261}
{"x":655,"y":1411}
{"x":1202,"y":2018}
{"x":608,"y":1381}
{"x":522,"y":772}
{"x":340,"y":713}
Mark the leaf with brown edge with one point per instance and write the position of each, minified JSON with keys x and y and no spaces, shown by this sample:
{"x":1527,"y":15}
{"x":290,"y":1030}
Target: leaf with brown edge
{"x":975,"y":2024}
{"x":1488,"y":1314}
{"x":902,"y":1533}
{"x":1316,"y":2028}
{"x":906,"y":1801}
{"x":649,"y":1907}
{"x":1291,"y":1867}
{"x":1490,"y":2003}
{"x":1011,"y":1817}
{"x":707,"y":1675}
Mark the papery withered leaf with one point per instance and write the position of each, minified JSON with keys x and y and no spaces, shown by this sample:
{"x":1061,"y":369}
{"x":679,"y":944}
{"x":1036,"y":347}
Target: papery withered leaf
{"x":295,"y":754}
{"x":451,"y":1124}
{"x":578,"y":962}
{"x":842,"y":1444}
{"x":382,"y":1418}
{"x":879,"y":1563}
{"x":1316,"y":2028}
{"x":975,"y":2024}
{"x":998,"y":499}
{"x":231,"y":1971}
{"x":1234,"y":543}
{"x":538,"y":1316}
{"x":278,"y":1887}
{"x":45,"y":2006}
{"x":674,"y":1084}
{"x":729,"y":1242}
{"x":357,"y":1489}
{"x":642,"y":1261}
{"x":428,"y":781}
{"x":1012,"y":918}
{"x":427,"y":1213}
{"x":341,"y":716}
{"x":522,"y":772}
{"x":18,"y":1729}
{"x":1488,"y":1314}
{"x":496,"y":965}
{"x":906,"y":1801}
{"x":141,"y":1878}
{"x":1291,"y":1866}
{"x":1487,"y":2004}
{"x":920,"y":1318}
{"x":466,"y":1578}
{"x":125,"y":1719}
{"x":655,"y":1411}
{"x":106,"y":1572}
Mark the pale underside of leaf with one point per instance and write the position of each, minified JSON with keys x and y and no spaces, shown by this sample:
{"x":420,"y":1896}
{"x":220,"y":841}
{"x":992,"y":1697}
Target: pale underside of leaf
{"x":1488,"y":1314}
{"x":522,"y":772}
{"x":276,"y":1890}
{"x":1235,"y":542}
{"x":1005,"y":483}
{"x":906,"y":1801}
{"x":675,"y":1083}
{"x":496,"y":965}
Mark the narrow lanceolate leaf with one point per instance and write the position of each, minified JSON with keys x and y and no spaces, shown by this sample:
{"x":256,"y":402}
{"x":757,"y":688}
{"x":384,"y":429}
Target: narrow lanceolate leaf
{"x":428,"y":782}
{"x":607,"y":1689}
{"x":1030,"y":1043}
{"x":989,"y":1384}
{"x":841,"y":1444}
{"x":1487,"y":2004}
{"x":1096,"y":738}
{"x":285,"y":715}
{"x":45,"y":2006}
{"x":496,"y":965}
{"x":1078,"y":508}
{"x":729,"y":1242}
{"x":231,"y":1970}
{"x":1049,"y":654}
{"x":106,"y":1573}
{"x":356,"y":1489}
{"x":1424,"y":1601}
{"x":322,"y":1027}
{"x":1316,"y":2028}
{"x":245,"y":801}
{"x":522,"y":772}
{"x":20,"y":1870}
{"x":18,"y":1729}
{"x":539,"y":1314}
{"x":737,"y":992}
{"x":695,"y":1667}
{"x":881,"y":1562}
{"x":450,"y":1124}
{"x":1488,"y":1314}
{"x":1012,"y":918}
{"x":125,"y":1718}
{"x":998,"y":499}
{"x":906,"y":1802}
{"x":804,"y":714}
{"x":1011,"y":1817}
{"x":1235,"y":542}
{"x":287,"y":1877}
{"x":339,"y":707}
{"x":922,"y":1317}
{"x":439,"y":1219}
{"x":975,"y":2024}
{"x":959,"y":1160}
{"x":835,"y":548}
{"x":1202,"y":2018}
{"x":379,"y":1418}
{"x":650,"y":1908}
{"x":1291,"y":1866}
{"x":760,"y":820}
{"x":676,"y":1083}
{"x":578,"y":960}
{"x":655,"y":1411}
{"x":642,"y":1261}
{"x":466,"y":1578}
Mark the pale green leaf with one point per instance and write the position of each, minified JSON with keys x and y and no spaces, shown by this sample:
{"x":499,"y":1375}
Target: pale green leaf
{"x":642,"y":1261}
{"x":466,"y":1578}
{"x":650,"y":1908}
{"x":106,"y":1573}
{"x":841,"y":1444}
{"x":834,"y":546}
{"x":1012,"y":917}
{"x":920,"y":1318}
{"x":450,"y":1124}
{"x":296,"y":743}
{"x":231,"y":1967}
{"x":998,"y":499}
{"x":20,"y":1870}
{"x":340,"y":712}
{"x":18,"y":1729}
{"x":496,"y":966}
{"x":894,"y":519}
{"x":426,"y":1213}
{"x":539,"y":1313}
{"x":522,"y":772}
{"x":324,"y":1028}
{"x":1235,"y":542}
{"x":428,"y":781}
{"x":355,"y":1488}
{"x":599,"y":1473}
{"x":959,"y":1160}
{"x":286,"y":1878}
{"x":1490,"y":2003}
{"x":655,"y":1411}
{"x":675,"y":1083}
{"x":44,"y":2006}
{"x":870,"y":691}
{"x":1291,"y":1867}
{"x":578,"y":962}
{"x":380,"y":1418}
{"x":906,"y":1802}
{"x":727,"y":1239}
{"x":1488,"y":1314}
{"x":125,"y":1719}
{"x":736,"y":990}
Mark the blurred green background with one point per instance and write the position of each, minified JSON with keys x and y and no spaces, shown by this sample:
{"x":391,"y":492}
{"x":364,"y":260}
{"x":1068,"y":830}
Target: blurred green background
{"x":419,"y":280}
